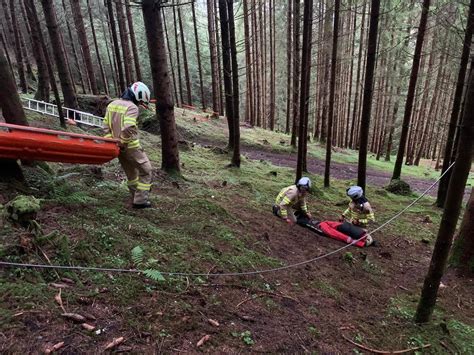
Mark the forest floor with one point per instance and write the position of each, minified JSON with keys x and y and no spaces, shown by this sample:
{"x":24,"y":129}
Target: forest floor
{"x":213,"y":220}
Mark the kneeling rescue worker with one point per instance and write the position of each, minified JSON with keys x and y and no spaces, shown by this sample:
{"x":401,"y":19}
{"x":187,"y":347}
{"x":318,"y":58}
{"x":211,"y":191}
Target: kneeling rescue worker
{"x":120,"y":122}
{"x":292,"y":199}
{"x":359,"y":212}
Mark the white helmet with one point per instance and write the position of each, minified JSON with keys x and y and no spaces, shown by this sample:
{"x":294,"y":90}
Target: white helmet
{"x":141,"y":92}
{"x":304,"y":182}
{"x":355,"y":192}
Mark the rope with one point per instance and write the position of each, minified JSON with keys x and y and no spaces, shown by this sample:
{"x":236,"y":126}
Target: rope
{"x":245,"y":273}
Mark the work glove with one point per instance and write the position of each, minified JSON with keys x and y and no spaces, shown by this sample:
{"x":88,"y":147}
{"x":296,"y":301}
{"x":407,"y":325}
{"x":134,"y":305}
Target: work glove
{"x":289,"y":221}
{"x":309,"y":215}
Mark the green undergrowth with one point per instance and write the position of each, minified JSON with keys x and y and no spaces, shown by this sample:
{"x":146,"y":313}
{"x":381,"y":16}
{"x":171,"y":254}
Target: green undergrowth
{"x":198,"y":223}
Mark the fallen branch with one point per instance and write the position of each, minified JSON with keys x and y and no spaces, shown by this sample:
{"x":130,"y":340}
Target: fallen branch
{"x":363,"y":347}
{"x":248,"y":299}
{"x":114,"y":343}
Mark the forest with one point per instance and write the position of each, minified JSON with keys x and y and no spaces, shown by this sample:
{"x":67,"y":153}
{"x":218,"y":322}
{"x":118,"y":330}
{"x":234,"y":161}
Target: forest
{"x":217,"y":111}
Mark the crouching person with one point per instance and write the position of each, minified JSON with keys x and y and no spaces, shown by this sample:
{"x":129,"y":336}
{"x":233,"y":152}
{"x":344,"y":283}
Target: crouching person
{"x":290,"y":204}
{"x":359,"y":212}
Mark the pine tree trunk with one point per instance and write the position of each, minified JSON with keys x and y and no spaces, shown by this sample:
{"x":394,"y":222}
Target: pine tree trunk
{"x":161,"y":85}
{"x":443,"y":184}
{"x":296,"y":69}
{"x":198,"y":55}
{"x":5,"y":49}
{"x":112,"y":63}
{"x":451,"y":211}
{"x":273,"y":64}
{"x":176,"y":40}
{"x":81,"y":33}
{"x":249,"y":116}
{"x":411,"y":90}
{"x":368,"y":92}
{"x":18,"y":54}
{"x":227,"y":68}
{"x":99,"y":59}
{"x":124,"y":37}
{"x":170,"y":56}
{"x":42,"y":93}
{"x":213,"y":54}
{"x":70,"y":99}
{"x":12,"y":112}
{"x":113,"y":30}
{"x":131,"y":31}
{"x":305,"y":85}
{"x":235,"y":85}
{"x":289,"y":50}
{"x":463,"y":249}
{"x":32,"y":16}
{"x":351,"y":71}
{"x":219,"y":71}
{"x":185,"y":60}
{"x":332,"y":87}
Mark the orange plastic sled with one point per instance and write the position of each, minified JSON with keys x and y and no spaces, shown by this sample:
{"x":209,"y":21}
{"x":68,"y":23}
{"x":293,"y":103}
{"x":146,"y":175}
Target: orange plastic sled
{"x":28,"y":143}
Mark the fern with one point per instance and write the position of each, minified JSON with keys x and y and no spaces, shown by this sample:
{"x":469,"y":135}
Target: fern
{"x":153,"y":274}
{"x":137,"y":255}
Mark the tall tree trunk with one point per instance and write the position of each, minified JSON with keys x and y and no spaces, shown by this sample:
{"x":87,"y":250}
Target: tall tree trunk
{"x":161,"y":85}
{"x":112,"y":63}
{"x":170,"y":56}
{"x":272,"y":65}
{"x":351,"y":71}
{"x":113,"y":29}
{"x":18,"y":53}
{"x":213,"y":54}
{"x":452,"y":209}
{"x":443,"y":184}
{"x":198,"y":55}
{"x":227,"y":68}
{"x":219,"y":71}
{"x":332,"y":87}
{"x":42,"y":92}
{"x":99,"y":59}
{"x":70,"y":99}
{"x":5,"y":49}
{"x":235,"y":84}
{"x":289,"y":47}
{"x":185,"y":60}
{"x":368,"y":91}
{"x":32,"y":16}
{"x":463,"y":249}
{"x":296,"y":69}
{"x":176,"y":39}
{"x":411,"y":90}
{"x":12,"y":112}
{"x":131,"y":31}
{"x":81,"y":33}
{"x":305,"y":84}
{"x":124,"y":36}
{"x":249,"y":117}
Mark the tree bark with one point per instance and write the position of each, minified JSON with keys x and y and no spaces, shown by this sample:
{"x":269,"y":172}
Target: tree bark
{"x":113,"y":29}
{"x":18,"y":53}
{"x":70,"y":99}
{"x":249,"y":116}
{"x":296,"y":69}
{"x":170,"y":56}
{"x":289,"y":51}
{"x":235,"y":85}
{"x":213,"y":54}
{"x":81,"y":33}
{"x":161,"y":85}
{"x":305,"y":84}
{"x":99,"y":59}
{"x":131,"y":30}
{"x":411,"y":90}
{"x":463,"y":249}
{"x":176,"y":38}
{"x":227,"y":68}
{"x":443,"y":184}
{"x":452,"y":209}
{"x":185,"y":60}
{"x":198,"y":55}
{"x":42,"y":92}
{"x":332,"y":87}
{"x":124,"y":37}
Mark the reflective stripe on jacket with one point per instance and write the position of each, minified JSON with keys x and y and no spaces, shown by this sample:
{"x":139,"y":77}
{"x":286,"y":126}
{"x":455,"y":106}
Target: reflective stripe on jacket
{"x":363,"y":213}
{"x":120,"y":122}
{"x":290,"y":197}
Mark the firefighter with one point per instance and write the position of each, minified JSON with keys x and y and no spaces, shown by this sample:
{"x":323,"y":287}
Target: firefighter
{"x":359,"y":212}
{"x":120,"y":122}
{"x":292,"y":200}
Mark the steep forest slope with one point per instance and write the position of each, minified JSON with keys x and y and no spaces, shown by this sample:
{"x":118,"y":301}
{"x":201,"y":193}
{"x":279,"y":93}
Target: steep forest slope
{"x":216,"y":220}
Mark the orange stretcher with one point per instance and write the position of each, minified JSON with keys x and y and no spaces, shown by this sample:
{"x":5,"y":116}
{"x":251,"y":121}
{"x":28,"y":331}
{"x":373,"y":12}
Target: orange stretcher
{"x":28,"y":143}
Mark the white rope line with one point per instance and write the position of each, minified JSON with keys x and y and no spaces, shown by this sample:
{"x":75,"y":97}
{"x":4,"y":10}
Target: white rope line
{"x":245,"y":273}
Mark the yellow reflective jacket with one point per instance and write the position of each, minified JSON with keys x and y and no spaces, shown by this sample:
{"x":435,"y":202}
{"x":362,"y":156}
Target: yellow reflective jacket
{"x":359,"y":211}
{"x":120,"y":122}
{"x":290,"y":197}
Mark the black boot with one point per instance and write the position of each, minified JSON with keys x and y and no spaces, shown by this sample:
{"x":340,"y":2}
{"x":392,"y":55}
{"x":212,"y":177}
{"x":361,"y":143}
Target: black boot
{"x":146,"y":204}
